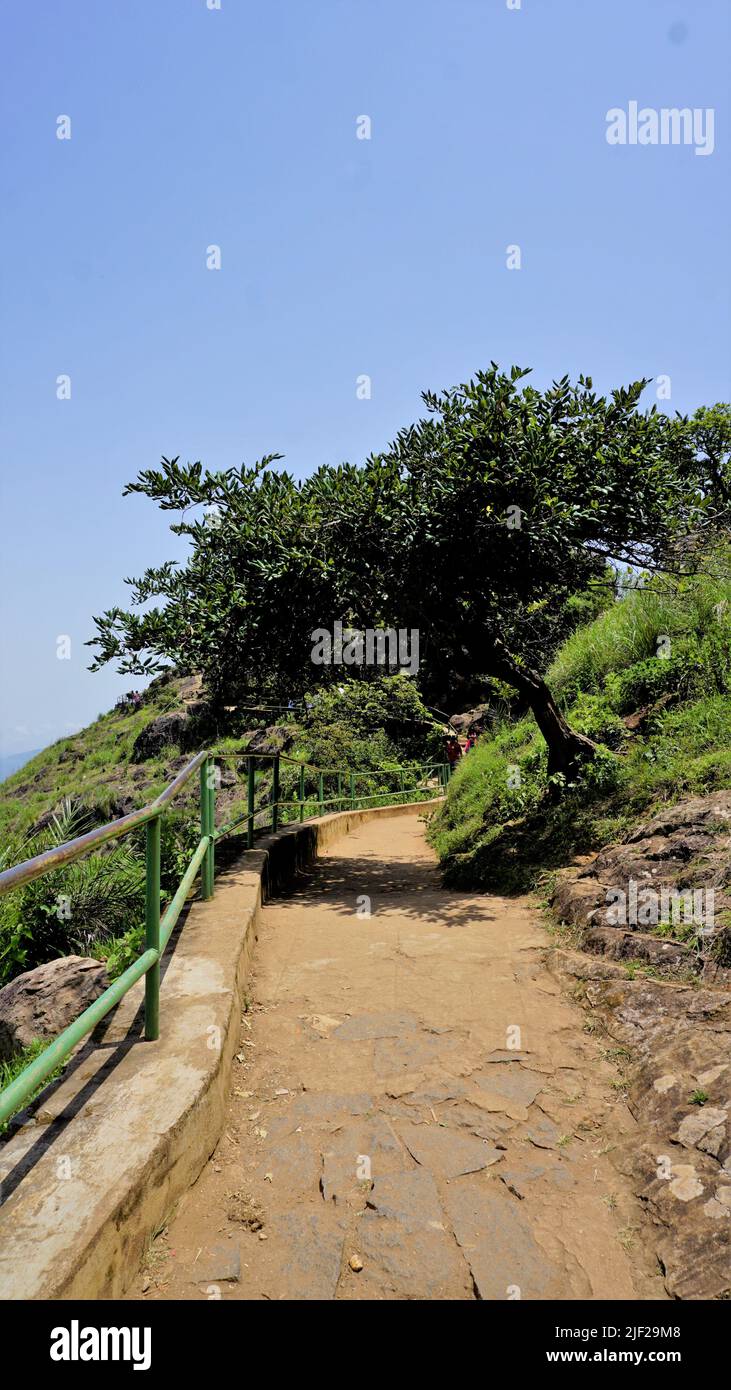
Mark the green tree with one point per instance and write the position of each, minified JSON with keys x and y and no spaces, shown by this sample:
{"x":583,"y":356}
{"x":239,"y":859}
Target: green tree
{"x":476,"y":527}
{"x":708,"y":438}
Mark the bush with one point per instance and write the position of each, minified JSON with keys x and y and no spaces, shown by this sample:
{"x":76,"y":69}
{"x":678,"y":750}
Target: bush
{"x":596,"y":716}
{"x":385,"y":713}
{"x":644,"y":682}
{"x":69,"y":909}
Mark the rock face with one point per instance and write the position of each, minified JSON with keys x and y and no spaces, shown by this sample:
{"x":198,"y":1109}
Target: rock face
{"x":167,"y":729}
{"x":677,"y":1036}
{"x":273,"y":739}
{"x":473,"y":721}
{"x":42,"y":1002}
{"x":622,"y":894}
{"x":679,"y":1090}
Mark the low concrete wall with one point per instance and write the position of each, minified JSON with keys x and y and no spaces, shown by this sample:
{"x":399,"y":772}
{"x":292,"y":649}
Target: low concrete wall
{"x":97,"y":1163}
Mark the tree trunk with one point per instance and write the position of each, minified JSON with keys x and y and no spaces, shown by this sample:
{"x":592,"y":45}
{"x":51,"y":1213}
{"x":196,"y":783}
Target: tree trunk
{"x":567,"y":750}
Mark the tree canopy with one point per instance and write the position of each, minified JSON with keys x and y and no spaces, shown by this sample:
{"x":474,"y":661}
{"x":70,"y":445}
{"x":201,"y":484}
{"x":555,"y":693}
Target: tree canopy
{"x":476,"y":527}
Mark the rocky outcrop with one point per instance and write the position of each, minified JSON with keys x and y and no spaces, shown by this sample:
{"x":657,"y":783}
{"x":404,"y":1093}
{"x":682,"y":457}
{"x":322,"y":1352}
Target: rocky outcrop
{"x":664,"y":894}
{"x":678,"y":1038}
{"x":274,"y":739}
{"x":44,"y":1001}
{"x":661,"y":900}
{"x":473,"y":721}
{"x":161,"y":733}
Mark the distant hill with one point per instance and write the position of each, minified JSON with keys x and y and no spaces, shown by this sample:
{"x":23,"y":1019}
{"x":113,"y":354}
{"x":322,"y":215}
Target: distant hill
{"x":12,"y":762}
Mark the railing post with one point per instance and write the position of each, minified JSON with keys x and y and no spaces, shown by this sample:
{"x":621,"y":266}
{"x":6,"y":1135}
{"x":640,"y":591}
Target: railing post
{"x":352,"y":791}
{"x":207,"y":822}
{"x":211,"y":855}
{"x":152,"y":928}
{"x":275,"y":794}
{"x":250,"y":792}
{"x":401,"y":782}
{"x":340,"y":791}
{"x":320,"y":794}
{"x":302,"y":792}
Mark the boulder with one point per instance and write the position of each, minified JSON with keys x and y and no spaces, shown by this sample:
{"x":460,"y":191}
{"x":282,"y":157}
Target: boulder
{"x":44,"y":1001}
{"x":473,"y":721}
{"x":274,"y":739}
{"x":164,"y":731}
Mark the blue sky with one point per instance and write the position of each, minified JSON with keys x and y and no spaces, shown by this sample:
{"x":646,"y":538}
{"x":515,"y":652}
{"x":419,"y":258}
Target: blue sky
{"x":339,"y":257}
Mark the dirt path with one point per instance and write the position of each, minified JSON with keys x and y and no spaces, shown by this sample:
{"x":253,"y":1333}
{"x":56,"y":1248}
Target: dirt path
{"x":415,"y":1096}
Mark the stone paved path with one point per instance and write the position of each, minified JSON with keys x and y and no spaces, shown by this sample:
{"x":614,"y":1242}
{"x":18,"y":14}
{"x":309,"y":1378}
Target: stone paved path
{"x":416,"y":1112}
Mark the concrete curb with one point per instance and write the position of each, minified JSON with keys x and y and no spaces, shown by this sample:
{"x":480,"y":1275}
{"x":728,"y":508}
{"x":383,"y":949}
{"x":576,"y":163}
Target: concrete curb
{"x":100,"y":1160}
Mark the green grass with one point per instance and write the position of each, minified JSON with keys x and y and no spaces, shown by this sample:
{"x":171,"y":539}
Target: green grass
{"x":628,"y":632}
{"x":93,"y":763}
{"x":12,"y":1068}
{"x":499,"y":831}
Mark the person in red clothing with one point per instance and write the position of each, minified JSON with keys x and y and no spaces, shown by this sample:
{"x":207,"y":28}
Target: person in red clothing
{"x":454,"y":752}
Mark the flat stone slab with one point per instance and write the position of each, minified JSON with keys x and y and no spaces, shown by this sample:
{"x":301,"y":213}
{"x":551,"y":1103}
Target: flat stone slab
{"x":408,"y":1264}
{"x":314,"y":1242}
{"x":486,"y":1125}
{"x":409,"y":1198}
{"x":223,"y":1265}
{"x":355,"y":1157}
{"x":319,"y":1110}
{"x":292,"y":1165}
{"x":544,"y":1133}
{"x":504,"y":1257}
{"x":521,"y":1180}
{"x":386,"y":1025}
{"x":437,"y":1092}
{"x":405,"y":1243}
{"x":509,"y":1088}
{"x":412,"y":1053}
{"x":446,"y":1152}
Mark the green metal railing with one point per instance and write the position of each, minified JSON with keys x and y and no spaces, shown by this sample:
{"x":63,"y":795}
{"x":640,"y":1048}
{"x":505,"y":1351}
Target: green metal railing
{"x":430,"y":779}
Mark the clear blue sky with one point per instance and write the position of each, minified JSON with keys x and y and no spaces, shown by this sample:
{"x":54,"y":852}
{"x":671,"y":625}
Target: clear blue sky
{"x":237,"y":127}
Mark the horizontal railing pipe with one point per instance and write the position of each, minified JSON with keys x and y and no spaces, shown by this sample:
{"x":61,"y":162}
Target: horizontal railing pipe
{"x":59,"y":855}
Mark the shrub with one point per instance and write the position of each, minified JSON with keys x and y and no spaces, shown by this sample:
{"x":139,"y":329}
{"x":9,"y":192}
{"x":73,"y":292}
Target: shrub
{"x":71,"y":908}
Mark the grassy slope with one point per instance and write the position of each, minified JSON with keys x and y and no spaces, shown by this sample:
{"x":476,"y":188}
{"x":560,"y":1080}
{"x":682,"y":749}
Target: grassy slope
{"x":497,"y":829}
{"x":94,"y":764}
{"x":378,"y":725}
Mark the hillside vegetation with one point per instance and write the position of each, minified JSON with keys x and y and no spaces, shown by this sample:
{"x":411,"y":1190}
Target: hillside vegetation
{"x":649,"y":680}
{"x":125,"y":759}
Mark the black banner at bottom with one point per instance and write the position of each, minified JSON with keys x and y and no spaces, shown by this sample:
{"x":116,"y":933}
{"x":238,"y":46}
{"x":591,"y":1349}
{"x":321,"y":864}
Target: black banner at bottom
{"x":123,"y":1338}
